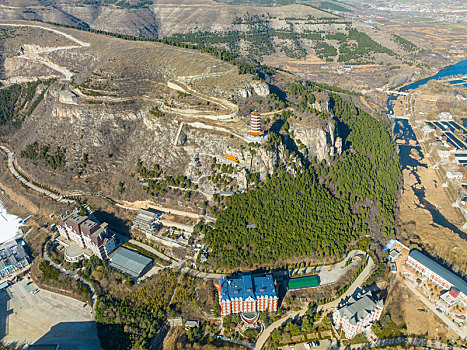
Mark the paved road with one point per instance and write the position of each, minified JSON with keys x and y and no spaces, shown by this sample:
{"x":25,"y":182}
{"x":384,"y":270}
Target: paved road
{"x":11,"y":159}
{"x":72,"y":274}
{"x":178,"y":212}
{"x":181,"y":265}
{"x":356,"y":284}
{"x":432,"y":307}
{"x":330,"y":273}
{"x":420,"y":342}
{"x":199,"y":274}
{"x":155,"y":206}
{"x":296,"y":314}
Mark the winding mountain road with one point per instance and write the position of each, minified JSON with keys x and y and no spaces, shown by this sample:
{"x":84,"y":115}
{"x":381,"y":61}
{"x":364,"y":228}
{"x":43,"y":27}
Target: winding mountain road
{"x":68,"y":36}
{"x":35,"y":57}
{"x":72,"y":274}
{"x":14,"y":172}
{"x":296,"y":314}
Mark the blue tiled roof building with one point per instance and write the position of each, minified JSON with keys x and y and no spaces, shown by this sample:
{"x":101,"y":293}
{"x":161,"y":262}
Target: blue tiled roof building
{"x":247,"y":294}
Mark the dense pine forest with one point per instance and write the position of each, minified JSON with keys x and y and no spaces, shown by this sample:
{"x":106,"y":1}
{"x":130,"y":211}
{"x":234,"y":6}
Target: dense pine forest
{"x":369,"y":170}
{"x":323,"y":208}
{"x":294,"y":216}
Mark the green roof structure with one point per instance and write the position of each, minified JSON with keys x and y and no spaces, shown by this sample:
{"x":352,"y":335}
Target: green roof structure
{"x":130,"y":262}
{"x":304,"y":282}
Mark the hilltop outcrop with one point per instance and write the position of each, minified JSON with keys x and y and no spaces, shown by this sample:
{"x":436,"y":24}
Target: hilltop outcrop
{"x":112,"y":103}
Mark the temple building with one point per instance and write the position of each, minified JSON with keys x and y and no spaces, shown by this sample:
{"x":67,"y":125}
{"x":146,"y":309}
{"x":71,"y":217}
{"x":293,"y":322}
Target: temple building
{"x":247,"y":294}
{"x":255,"y":134}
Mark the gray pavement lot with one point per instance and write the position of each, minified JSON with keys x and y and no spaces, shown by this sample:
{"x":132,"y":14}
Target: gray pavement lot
{"x":330,"y":273}
{"x":46,"y":317}
{"x":324,"y":344}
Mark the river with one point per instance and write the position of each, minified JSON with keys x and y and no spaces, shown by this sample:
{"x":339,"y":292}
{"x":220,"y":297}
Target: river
{"x":459,"y":68}
{"x":410,"y":152}
{"x":455,"y":69}
{"x":9,"y":224}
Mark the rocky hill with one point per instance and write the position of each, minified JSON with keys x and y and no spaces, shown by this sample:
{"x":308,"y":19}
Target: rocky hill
{"x":278,"y":35}
{"x":133,"y":119}
{"x":144,"y":18}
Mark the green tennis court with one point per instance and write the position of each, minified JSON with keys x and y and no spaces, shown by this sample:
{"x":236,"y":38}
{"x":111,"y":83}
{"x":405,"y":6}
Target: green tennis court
{"x":304,"y":282}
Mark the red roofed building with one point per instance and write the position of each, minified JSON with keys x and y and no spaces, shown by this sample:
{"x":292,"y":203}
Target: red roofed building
{"x":455,"y":287}
{"x":87,"y":234}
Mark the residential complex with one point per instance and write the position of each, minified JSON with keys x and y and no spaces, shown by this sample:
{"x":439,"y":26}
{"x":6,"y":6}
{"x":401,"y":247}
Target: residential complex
{"x":357,"y":312}
{"x":456,"y":287}
{"x":246,"y":294}
{"x":147,"y":220}
{"x":13,"y":257}
{"x":87,"y":234}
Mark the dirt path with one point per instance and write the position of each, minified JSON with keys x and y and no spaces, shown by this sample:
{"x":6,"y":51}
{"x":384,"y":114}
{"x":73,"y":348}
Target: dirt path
{"x":200,"y":125}
{"x":35,"y":57}
{"x":68,"y":36}
{"x":230,"y":108}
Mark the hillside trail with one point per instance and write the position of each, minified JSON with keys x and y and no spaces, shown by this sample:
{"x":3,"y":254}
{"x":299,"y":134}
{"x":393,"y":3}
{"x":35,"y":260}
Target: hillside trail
{"x":228,"y":109}
{"x":35,"y":54}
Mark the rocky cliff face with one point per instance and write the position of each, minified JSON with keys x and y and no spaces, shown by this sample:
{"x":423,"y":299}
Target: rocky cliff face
{"x":261,"y":89}
{"x":104,"y":112}
{"x":321,"y":140}
{"x":322,"y":102}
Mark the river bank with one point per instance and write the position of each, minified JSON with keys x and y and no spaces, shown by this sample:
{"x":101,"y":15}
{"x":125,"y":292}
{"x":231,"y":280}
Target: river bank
{"x":426,"y":214}
{"x":451,"y":70}
{"x":417,"y":225}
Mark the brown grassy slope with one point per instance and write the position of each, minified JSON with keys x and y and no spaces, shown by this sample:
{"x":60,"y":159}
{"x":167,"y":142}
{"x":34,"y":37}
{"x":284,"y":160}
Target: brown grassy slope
{"x":163,"y":18}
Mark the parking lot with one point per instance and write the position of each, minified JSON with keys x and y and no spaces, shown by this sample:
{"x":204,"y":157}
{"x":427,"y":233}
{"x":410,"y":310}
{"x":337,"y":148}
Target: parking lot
{"x":45,"y":317}
{"x":324,"y":344}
